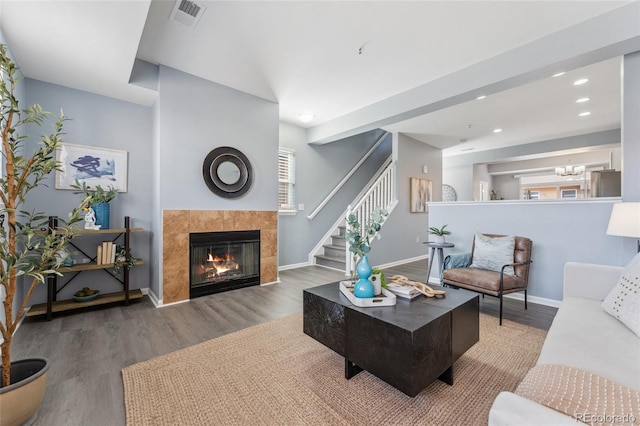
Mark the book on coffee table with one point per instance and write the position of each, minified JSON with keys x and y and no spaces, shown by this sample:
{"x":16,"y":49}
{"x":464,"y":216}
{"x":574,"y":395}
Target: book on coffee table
{"x":404,"y":291}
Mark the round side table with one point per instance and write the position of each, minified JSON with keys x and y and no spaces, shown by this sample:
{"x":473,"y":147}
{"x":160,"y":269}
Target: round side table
{"x":437,"y":246}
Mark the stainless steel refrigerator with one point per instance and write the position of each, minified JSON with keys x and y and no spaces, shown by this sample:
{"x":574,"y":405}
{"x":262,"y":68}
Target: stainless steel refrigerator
{"x":606,"y":183}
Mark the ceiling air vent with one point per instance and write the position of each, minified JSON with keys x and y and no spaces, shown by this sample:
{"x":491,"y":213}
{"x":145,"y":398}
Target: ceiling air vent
{"x":187,"y":13}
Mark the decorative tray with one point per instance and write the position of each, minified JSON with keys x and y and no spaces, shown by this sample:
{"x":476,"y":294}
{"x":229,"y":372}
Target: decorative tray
{"x":386,"y":299}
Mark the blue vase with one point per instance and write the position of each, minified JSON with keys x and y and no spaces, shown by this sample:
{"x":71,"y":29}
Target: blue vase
{"x":102,"y":214}
{"x":363,"y":287}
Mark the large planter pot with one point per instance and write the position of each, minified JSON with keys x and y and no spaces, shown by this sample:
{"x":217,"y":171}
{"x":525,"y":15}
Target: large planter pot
{"x":20,"y":400}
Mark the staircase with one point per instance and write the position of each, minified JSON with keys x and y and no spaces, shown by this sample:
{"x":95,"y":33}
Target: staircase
{"x":334,"y":253}
{"x":379,"y":193}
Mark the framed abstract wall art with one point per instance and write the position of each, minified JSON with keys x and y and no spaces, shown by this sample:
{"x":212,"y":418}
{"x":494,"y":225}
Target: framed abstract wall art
{"x":420,"y":195}
{"x":92,"y":165}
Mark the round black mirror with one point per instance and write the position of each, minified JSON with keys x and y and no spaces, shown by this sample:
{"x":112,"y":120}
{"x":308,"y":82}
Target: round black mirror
{"x":227,"y":172}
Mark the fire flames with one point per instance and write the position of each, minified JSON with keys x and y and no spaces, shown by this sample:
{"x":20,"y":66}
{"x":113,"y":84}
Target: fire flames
{"x":223,"y":264}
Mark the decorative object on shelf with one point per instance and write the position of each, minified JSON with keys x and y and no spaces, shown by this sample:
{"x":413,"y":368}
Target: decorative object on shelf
{"x":363,"y":287}
{"x":85,"y":295}
{"x":99,"y":201}
{"x":421,"y":194}
{"x":379,"y":281}
{"x":439,"y":233}
{"x":24,"y":251}
{"x":90,"y":219}
{"x":122,"y":259}
{"x":91,"y":165}
{"x":448,"y":193}
{"x":359,"y":237}
{"x":68,"y":261}
{"x":103,"y":215}
{"x":227,"y":172}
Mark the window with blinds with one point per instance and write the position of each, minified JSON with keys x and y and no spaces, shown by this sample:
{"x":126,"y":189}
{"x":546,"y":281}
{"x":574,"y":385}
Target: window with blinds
{"x":286,"y":180}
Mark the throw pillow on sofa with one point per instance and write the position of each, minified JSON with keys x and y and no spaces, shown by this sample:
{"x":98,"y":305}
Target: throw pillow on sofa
{"x":493,"y":253}
{"x":623,"y":301}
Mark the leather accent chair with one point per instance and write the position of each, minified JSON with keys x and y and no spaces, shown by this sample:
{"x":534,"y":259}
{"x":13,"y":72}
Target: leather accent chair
{"x":494,"y":283}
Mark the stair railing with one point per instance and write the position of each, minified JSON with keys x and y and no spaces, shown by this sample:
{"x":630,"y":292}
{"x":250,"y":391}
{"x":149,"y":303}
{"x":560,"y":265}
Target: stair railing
{"x":380,"y":194}
{"x":340,"y":221}
{"x":344,"y":180}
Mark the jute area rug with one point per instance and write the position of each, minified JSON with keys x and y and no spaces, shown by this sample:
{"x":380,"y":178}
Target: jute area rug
{"x":274,"y":374}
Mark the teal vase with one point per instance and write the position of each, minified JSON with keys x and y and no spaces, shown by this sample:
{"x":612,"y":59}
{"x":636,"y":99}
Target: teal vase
{"x":363,"y":287}
{"x":102,"y":214}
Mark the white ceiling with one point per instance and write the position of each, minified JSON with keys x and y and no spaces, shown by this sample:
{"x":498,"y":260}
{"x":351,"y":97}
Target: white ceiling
{"x":328,"y":57}
{"x":542,"y":110}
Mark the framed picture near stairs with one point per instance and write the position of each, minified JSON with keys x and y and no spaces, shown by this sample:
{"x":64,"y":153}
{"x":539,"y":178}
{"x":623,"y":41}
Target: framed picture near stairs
{"x":420,"y":195}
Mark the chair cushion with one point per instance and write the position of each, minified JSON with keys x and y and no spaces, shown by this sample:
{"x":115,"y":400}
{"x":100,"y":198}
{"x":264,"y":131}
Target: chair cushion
{"x":623,"y":301}
{"x":482,"y":280}
{"x":492,"y":253}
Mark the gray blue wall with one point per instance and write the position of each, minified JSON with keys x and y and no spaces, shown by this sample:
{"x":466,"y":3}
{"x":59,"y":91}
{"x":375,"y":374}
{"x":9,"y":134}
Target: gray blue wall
{"x":192,"y":117}
{"x":102,"y":122}
{"x":561,"y":232}
{"x":319,"y":168}
{"x":404,"y":232}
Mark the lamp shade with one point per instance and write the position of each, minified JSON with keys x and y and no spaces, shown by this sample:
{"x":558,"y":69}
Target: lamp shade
{"x":625,"y":220}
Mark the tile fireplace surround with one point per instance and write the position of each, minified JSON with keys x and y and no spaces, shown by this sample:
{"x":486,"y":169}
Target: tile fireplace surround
{"x":176,"y":226}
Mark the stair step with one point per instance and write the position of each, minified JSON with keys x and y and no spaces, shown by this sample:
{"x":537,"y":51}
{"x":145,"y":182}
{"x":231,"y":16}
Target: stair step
{"x":338,"y":241}
{"x":334,"y":251}
{"x":330,"y":261}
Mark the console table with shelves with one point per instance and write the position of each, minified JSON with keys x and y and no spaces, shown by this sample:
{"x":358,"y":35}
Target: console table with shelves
{"x":53,"y":305}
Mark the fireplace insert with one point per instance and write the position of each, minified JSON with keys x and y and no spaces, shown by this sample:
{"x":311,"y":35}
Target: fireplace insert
{"x":222,"y":261}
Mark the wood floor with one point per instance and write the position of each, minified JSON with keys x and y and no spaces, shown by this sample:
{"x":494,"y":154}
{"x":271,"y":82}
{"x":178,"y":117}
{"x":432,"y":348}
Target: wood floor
{"x":87,"y":350}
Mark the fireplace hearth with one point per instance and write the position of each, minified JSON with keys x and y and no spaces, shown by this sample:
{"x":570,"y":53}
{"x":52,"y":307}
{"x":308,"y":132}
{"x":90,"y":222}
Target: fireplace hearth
{"x":222,"y":261}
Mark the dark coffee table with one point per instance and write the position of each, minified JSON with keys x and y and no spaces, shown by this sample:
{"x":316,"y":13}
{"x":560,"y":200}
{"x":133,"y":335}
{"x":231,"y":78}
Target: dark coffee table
{"x":408,"y":345}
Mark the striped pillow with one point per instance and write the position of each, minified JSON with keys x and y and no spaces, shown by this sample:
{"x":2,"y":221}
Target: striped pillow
{"x":492,"y":253}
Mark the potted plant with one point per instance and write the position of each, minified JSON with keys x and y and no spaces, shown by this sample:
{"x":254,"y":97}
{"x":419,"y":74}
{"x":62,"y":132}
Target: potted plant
{"x":26,"y":253}
{"x":440,"y":233}
{"x":359,"y":239}
{"x":100,"y":199}
{"x":123,"y":259}
{"x":379,"y":280}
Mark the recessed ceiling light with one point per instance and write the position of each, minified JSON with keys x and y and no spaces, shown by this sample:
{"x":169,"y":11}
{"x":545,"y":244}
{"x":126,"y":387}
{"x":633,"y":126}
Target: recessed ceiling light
{"x":306,"y":117}
{"x":467,"y":149}
{"x":580,"y":81}
{"x":558,"y":74}
{"x":497,"y":130}
{"x":584,"y":114}
{"x":582,"y":100}
{"x":481,"y":97}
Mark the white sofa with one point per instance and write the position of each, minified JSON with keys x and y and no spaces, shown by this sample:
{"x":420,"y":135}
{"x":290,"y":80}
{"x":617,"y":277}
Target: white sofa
{"x":582,"y":336}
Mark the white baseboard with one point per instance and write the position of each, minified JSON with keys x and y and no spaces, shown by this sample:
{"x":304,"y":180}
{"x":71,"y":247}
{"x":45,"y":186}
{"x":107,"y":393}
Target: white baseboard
{"x":535,"y":299}
{"x":152,"y":296}
{"x":164,"y":305}
{"x":293,"y":266}
{"x":329,"y":267}
{"x":402,"y":262}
